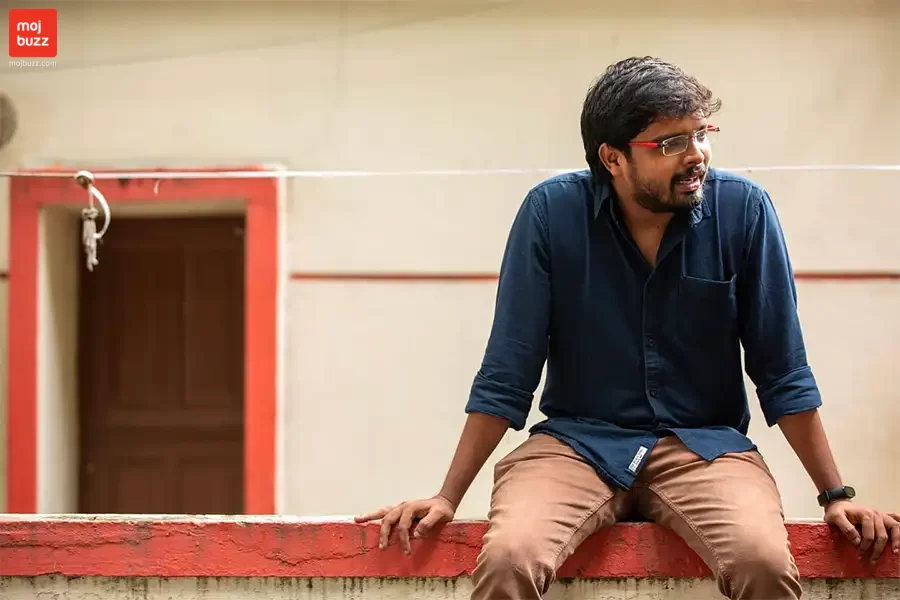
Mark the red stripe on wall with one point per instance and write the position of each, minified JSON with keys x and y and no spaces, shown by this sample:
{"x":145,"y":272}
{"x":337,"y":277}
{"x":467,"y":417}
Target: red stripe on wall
{"x":326,"y":276}
{"x":138,"y":546}
{"x":398,"y":276}
{"x":847,"y":276}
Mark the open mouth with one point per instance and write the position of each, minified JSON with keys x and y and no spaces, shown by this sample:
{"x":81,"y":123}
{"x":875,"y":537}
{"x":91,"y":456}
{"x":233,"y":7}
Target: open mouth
{"x":690,"y":183}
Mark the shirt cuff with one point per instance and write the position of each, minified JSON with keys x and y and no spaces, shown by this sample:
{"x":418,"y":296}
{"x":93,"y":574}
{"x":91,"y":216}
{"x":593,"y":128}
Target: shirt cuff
{"x":790,"y":394}
{"x":499,"y":400}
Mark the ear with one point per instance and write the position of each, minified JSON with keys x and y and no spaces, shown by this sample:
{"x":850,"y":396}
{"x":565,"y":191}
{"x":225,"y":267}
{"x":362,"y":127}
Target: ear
{"x":613,"y":159}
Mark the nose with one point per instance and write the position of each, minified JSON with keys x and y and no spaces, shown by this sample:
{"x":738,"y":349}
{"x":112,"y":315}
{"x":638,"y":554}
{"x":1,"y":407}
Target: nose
{"x":694,"y":155}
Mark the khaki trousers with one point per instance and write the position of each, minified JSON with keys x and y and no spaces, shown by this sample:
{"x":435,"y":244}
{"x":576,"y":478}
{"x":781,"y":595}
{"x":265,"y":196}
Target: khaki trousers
{"x":546,"y":501}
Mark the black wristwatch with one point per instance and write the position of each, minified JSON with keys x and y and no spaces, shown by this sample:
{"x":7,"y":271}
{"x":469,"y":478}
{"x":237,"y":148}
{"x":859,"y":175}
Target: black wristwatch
{"x":842,"y":493}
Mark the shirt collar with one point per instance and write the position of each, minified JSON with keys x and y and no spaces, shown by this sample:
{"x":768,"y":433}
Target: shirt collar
{"x":603,"y":193}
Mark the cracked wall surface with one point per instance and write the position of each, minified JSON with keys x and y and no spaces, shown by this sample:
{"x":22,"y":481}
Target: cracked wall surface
{"x":273,"y":588}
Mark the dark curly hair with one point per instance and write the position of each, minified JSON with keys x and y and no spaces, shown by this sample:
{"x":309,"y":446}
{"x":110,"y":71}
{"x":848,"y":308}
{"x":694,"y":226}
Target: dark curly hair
{"x":629,"y":96}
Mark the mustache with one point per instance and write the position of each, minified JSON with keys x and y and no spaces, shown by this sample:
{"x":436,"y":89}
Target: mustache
{"x":697,"y":171}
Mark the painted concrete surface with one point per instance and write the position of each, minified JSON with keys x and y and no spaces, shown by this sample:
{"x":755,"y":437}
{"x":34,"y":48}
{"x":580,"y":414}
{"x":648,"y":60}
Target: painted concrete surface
{"x":191,"y":588}
{"x":210,"y":557}
{"x":215,"y":546}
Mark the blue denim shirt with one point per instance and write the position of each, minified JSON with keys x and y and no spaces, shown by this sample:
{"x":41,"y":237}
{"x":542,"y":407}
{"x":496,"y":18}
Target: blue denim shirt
{"x":633,"y":351}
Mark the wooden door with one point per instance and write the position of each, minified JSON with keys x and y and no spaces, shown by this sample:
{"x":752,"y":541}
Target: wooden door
{"x":161,"y":368}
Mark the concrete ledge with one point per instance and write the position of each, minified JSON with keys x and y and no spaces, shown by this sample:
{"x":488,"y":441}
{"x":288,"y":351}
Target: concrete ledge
{"x":246,"y":546}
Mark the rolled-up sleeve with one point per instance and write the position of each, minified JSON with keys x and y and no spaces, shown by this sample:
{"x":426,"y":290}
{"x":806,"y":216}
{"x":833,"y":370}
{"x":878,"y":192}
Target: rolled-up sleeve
{"x":517,"y":346}
{"x":774,"y":350}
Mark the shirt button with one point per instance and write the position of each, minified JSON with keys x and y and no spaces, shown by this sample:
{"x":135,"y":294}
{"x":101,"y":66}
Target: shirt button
{"x":654,"y":392}
{"x":651,"y":342}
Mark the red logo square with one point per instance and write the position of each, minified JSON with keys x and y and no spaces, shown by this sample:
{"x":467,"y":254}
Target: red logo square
{"x":32,"y":32}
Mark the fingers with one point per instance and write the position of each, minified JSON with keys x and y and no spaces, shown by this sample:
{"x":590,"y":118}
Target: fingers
{"x":881,"y":537}
{"x":427,"y":522}
{"x":400,"y":517}
{"x":868,"y":531}
{"x":403,"y":526}
{"x":843,"y":523}
{"x":388,"y":516}
{"x":373,"y":516}
{"x":387,"y":523}
{"x":894,"y":533}
{"x":876,"y":529}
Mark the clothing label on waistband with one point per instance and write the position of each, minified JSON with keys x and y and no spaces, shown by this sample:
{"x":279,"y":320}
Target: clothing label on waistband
{"x":636,"y":461}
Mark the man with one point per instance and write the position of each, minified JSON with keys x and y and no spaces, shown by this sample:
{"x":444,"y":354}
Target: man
{"x":638,"y":282}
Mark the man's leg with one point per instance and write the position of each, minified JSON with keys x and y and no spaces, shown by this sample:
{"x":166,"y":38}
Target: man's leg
{"x":729,"y":511}
{"x":546,"y":500}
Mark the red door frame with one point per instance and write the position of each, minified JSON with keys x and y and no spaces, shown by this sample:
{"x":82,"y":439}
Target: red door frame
{"x":26,"y":198}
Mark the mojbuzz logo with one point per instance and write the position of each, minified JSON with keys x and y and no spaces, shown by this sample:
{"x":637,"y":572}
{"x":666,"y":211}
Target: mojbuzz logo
{"x":32,"y":32}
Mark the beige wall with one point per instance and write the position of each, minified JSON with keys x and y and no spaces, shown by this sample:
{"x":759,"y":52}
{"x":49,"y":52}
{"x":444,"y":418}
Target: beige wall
{"x":376,"y":375}
{"x":58,"y":448}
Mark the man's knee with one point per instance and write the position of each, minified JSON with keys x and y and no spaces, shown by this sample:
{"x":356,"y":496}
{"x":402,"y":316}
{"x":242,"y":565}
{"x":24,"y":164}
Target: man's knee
{"x":517,"y":555}
{"x":760,"y":567}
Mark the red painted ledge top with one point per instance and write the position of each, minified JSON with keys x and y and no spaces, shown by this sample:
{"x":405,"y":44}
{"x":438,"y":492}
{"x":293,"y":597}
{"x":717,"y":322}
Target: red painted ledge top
{"x":254,"y":546}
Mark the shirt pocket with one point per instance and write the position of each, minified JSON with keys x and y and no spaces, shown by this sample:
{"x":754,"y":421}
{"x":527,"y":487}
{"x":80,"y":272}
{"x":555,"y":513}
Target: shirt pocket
{"x":707,"y":312}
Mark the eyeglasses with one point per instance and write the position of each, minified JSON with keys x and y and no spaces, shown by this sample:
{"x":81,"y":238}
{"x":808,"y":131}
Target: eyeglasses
{"x":680,"y":143}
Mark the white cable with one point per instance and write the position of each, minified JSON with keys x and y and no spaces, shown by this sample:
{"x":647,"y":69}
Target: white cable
{"x":275,"y":173}
{"x":813,"y":168}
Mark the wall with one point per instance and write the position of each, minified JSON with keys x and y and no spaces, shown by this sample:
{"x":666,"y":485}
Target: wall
{"x":58,"y":425}
{"x":377,"y":373}
{"x":4,"y":316}
{"x":97,"y":556}
{"x":349,"y":588}
{"x":3,"y":321}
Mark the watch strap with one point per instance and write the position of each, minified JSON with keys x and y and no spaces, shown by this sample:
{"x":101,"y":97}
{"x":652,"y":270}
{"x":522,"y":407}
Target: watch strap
{"x":840,"y":493}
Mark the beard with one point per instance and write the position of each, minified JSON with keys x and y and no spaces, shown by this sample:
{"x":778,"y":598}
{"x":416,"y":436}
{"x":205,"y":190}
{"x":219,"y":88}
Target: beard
{"x":667,"y":198}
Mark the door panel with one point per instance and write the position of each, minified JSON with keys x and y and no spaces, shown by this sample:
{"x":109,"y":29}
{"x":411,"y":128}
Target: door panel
{"x":161,"y":368}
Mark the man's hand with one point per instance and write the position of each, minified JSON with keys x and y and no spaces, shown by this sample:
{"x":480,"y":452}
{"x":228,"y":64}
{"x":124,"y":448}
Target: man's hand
{"x":877,"y":528}
{"x":429,"y":512}
{"x":480,"y":436}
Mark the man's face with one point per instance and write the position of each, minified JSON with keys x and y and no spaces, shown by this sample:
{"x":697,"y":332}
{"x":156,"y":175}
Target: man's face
{"x":669,"y":178}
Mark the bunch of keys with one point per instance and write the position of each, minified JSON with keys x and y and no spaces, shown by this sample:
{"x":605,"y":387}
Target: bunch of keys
{"x":89,"y":235}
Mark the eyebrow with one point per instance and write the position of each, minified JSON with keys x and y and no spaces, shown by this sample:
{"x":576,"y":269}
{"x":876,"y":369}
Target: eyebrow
{"x":664,"y":137}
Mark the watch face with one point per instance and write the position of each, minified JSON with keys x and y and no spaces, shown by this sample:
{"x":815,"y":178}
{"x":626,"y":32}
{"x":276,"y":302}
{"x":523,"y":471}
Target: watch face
{"x":850,"y":491}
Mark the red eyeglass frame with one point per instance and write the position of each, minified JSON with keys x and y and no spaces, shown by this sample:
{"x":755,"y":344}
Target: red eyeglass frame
{"x":661,"y":144}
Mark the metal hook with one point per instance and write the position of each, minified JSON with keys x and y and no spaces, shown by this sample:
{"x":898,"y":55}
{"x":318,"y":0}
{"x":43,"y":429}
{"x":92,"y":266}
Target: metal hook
{"x":86,"y":180}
